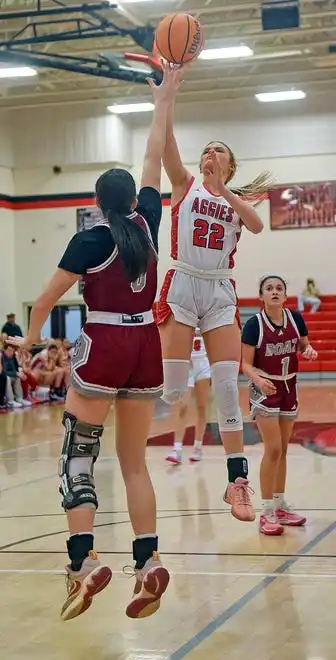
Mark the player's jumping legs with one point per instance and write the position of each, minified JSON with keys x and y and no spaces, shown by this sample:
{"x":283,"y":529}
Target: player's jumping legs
{"x":86,"y":576}
{"x":283,"y":512}
{"x":133,"y":419}
{"x":176,"y":341}
{"x":223,"y":346}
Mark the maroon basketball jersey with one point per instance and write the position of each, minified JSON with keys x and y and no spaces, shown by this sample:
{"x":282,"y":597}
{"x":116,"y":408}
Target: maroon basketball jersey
{"x":276,"y":351}
{"x":107,"y":288}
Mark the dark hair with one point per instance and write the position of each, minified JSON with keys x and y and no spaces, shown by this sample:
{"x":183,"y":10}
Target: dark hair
{"x":270,"y":277}
{"x":52,"y":347}
{"x":115,"y":193}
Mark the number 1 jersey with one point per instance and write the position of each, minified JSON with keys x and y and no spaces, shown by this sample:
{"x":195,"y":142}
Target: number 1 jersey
{"x":205,"y":230}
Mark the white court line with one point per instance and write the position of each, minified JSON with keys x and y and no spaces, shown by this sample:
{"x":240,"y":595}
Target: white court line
{"x":314,"y":576}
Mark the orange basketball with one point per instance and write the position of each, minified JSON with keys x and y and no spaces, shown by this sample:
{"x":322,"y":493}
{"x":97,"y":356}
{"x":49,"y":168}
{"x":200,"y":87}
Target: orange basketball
{"x":179,"y":38}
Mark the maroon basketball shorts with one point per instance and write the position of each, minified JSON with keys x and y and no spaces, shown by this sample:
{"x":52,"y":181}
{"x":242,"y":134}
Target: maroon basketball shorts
{"x":284,"y":403}
{"x":118,"y":360}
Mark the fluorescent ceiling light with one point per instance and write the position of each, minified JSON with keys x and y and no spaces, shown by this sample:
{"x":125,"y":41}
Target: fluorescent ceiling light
{"x":291,"y":95}
{"x":225,"y":53}
{"x":281,"y":53}
{"x":17,"y":72}
{"x":131,"y":107}
{"x":125,"y":2}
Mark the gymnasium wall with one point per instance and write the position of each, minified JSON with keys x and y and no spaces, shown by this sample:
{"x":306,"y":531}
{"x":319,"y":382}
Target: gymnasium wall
{"x":297,"y":142}
{"x":82,"y":147}
{"x":8,"y":294}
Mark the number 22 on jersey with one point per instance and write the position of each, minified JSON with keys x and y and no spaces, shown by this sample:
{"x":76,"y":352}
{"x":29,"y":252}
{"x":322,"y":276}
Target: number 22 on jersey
{"x":208,"y":235}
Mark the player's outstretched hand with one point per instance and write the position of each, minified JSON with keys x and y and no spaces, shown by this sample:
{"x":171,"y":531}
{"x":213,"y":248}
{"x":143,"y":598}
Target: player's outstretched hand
{"x":310,"y":353}
{"x":171,"y":82}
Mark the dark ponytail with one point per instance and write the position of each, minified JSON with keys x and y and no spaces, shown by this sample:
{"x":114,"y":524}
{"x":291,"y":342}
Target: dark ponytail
{"x":132,"y":242}
{"x":116,"y":194}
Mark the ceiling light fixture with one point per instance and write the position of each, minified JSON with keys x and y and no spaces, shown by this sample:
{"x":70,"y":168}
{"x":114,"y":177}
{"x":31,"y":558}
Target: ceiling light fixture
{"x":17,"y":72}
{"x":225,"y":53}
{"x":128,"y":108}
{"x":290,"y":95}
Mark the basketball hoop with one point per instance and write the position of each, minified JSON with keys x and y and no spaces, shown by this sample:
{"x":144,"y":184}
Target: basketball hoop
{"x":151,"y":60}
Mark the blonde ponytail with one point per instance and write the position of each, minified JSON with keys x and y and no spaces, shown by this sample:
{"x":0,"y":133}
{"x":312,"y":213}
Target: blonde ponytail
{"x":257,"y":190}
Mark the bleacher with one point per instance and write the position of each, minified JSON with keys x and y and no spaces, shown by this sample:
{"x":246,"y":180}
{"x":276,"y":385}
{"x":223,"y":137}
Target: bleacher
{"x":322,"y":334}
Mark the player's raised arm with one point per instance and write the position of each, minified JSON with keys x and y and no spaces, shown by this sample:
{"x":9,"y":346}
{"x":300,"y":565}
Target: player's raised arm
{"x":163,"y":98}
{"x":178,"y":175}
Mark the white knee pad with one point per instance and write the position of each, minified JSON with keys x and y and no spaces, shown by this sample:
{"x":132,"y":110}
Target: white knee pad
{"x":224,"y":377}
{"x":175,"y":380}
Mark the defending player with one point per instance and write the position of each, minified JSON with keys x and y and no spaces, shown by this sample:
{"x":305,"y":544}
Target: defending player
{"x":271,"y":341}
{"x":117,"y":355}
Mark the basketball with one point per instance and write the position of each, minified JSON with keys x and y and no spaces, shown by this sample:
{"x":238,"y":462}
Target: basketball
{"x":179,"y":38}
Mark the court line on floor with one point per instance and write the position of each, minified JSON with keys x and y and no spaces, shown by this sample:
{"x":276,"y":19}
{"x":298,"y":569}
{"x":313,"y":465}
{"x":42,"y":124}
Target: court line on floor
{"x":255,"y":555}
{"x":244,"y":574}
{"x":185,"y":514}
{"x":124,"y":512}
{"x":239,"y":604}
{"x":113,"y":523}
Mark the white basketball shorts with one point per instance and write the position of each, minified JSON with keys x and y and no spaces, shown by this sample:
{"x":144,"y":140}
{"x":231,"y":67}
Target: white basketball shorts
{"x":208,"y":304}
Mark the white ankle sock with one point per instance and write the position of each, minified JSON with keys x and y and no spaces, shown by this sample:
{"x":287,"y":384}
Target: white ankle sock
{"x":178,"y":446}
{"x":146,"y":536}
{"x":267,"y":507}
{"x":279,"y":500}
{"x":198,"y":445}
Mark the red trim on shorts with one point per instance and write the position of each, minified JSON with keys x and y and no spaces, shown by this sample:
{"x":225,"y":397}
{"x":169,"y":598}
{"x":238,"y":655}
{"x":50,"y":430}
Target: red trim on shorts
{"x":163,"y":310}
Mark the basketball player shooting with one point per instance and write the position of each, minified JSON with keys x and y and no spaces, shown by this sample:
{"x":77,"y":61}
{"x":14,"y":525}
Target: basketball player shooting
{"x":199,"y":291}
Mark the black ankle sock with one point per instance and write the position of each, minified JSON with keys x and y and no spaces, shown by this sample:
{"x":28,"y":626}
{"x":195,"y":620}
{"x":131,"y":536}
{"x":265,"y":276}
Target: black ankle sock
{"x":79,"y":546}
{"x":237,"y":467}
{"x":143,"y":549}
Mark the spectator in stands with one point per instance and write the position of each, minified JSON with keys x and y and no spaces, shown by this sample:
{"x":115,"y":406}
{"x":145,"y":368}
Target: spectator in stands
{"x":12,"y":372}
{"x":48,"y":374}
{"x":11,"y":329}
{"x":28,"y":380}
{"x":3,"y":385}
{"x":309,"y":296}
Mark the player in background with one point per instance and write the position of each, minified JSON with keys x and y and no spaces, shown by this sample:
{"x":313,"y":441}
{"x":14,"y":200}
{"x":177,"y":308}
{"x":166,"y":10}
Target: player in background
{"x":200,"y":382}
{"x":199,"y":291}
{"x":271,"y":342}
{"x":118,"y":355}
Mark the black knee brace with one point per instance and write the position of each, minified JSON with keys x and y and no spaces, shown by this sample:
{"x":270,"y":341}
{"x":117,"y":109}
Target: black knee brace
{"x":80,"y":488}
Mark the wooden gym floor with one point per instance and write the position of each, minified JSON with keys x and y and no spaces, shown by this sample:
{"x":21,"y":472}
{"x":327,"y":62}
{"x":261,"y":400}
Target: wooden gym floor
{"x":233,"y":593}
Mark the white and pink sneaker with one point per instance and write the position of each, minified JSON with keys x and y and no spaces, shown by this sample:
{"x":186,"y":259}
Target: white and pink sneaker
{"x":175,"y":457}
{"x":269,"y":525}
{"x":289,"y":518}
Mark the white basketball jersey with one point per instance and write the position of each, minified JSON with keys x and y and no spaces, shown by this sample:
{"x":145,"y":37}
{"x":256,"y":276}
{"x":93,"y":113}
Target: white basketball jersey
{"x":205,"y":230}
